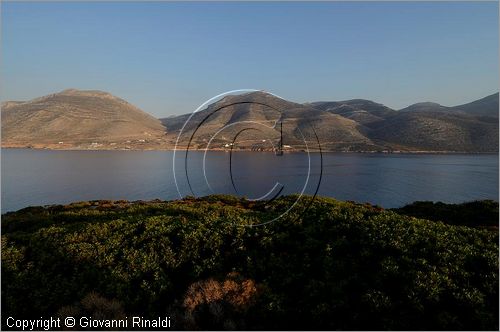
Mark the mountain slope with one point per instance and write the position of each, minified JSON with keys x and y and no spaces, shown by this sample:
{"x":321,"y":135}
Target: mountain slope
{"x":350,"y":125}
{"x":78,"y":118}
{"x":362,"y":111}
{"x":263,"y":112}
{"x":74,"y":119}
{"x":472,"y":127}
{"x":487,"y":106}
{"x":425,"y":107}
{"x":438,"y":131}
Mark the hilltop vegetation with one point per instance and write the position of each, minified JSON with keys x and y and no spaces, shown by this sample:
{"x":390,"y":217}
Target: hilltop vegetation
{"x":339,"y":266}
{"x":473,"y":214}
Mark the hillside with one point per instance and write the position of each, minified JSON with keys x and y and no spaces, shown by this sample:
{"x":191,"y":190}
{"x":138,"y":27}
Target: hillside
{"x":264,"y":114}
{"x":78,"y":119}
{"x":439,"y":131}
{"x":74,"y":119}
{"x":487,"y":106}
{"x":425,"y":107}
{"x":339,"y":266}
{"x":362,"y":111}
{"x":350,"y":125}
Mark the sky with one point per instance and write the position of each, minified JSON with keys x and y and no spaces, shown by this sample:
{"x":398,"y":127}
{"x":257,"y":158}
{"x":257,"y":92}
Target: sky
{"x":168,"y":58}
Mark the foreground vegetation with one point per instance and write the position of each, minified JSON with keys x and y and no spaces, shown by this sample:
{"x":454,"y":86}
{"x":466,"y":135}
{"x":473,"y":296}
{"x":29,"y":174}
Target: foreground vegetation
{"x":481,"y":214}
{"x":339,"y":266}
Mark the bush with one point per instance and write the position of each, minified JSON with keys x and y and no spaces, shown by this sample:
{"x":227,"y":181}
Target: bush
{"x":338,"y":266}
{"x":212,"y":304}
{"x":472,"y":214}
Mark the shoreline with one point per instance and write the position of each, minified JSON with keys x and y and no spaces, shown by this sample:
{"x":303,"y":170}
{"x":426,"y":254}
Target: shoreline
{"x":119,"y":202}
{"x":384,"y":152}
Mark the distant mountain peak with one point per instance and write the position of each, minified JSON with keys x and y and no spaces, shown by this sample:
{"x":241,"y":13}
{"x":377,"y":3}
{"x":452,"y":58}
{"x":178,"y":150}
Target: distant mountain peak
{"x":257,"y":97}
{"x":86,"y":93}
{"x":69,"y":91}
{"x":487,"y":106}
{"x":86,"y":119}
{"x":77,"y":94}
{"x":427,"y":104}
{"x":424,"y":107}
{"x":78,"y":91}
{"x":78,"y":118}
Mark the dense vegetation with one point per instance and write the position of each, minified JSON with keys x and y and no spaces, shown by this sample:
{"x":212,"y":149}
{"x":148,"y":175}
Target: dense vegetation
{"x":473,"y":214}
{"x":338,"y":266}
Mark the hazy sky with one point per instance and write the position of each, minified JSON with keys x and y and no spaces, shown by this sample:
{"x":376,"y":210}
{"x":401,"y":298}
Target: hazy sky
{"x":168,"y":58}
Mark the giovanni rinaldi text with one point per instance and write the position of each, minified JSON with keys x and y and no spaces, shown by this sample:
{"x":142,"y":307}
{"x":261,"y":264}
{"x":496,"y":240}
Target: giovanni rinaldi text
{"x":87,"y":322}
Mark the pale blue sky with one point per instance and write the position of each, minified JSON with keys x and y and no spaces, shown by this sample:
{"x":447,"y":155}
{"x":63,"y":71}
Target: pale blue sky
{"x":168,"y":58}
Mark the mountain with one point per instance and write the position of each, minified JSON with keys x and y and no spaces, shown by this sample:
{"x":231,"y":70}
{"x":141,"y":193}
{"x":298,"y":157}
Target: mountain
{"x":425,"y":107}
{"x":487,"y":106}
{"x":78,"y":119}
{"x":263,"y":115}
{"x":349,"y":125}
{"x":431,"y":126}
{"x":438,"y":131}
{"x":74,"y":119}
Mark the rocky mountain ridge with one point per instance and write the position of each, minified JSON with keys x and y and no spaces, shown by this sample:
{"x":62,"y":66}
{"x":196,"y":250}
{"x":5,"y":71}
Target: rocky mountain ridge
{"x":76,"y":119}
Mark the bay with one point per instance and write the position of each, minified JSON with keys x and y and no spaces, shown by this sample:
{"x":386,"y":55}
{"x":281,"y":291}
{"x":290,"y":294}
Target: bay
{"x":42,"y":177}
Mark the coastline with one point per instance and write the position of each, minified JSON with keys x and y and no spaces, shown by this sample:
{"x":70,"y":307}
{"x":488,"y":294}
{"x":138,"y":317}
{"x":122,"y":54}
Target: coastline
{"x":383,"y":152}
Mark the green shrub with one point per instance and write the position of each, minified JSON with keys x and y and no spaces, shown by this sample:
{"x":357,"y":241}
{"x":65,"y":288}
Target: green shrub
{"x":339,"y":265}
{"x":473,"y":214}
